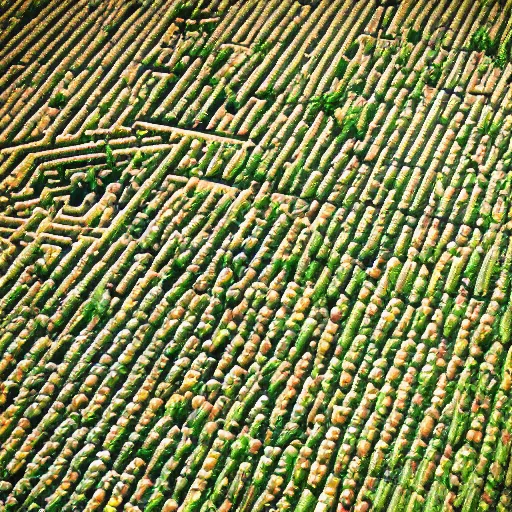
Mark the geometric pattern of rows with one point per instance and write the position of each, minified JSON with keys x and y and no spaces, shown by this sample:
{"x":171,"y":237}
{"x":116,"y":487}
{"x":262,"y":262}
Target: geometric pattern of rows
{"x":255,"y":255}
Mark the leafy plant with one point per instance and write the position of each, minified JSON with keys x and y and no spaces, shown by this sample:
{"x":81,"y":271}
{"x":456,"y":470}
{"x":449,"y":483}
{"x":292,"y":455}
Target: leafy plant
{"x":481,"y":41}
{"x":434,"y":74}
{"x":369,"y":46}
{"x":414,"y":36}
{"x":329,"y":101}
{"x":504,"y":51}
{"x":261,"y":47}
{"x":179,"y":67}
{"x":404,"y":54}
{"x":91,"y":178}
{"x":352,"y":50}
{"x":58,"y":101}
{"x":221,"y":58}
{"x":494,"y":128}
{"x":111,"y":164}
{"x":349,"y":123}
{"x":341,"y":67}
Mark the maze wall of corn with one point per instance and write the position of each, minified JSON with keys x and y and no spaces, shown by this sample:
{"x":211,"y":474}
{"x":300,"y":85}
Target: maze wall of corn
{"x":255,"y":255}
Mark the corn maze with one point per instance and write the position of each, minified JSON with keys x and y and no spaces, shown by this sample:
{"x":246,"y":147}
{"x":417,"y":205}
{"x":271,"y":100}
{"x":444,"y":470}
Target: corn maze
{"x":255,"y":255}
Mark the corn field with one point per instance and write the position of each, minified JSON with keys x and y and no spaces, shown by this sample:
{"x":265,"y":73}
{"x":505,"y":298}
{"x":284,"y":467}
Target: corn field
{"x":255,"y":255}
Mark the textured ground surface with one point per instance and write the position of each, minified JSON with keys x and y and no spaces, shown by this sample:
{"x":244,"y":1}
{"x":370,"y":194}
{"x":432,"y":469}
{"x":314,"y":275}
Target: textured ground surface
{"x":255,"y":255}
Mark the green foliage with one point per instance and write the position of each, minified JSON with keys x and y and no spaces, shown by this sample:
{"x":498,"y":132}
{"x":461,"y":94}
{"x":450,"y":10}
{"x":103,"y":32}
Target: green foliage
{"x":489,"y":126}
{"x":482,"y":68}
{"x":481,"y":41}
{"x":150,"y":59}
{"x":139,"y":134}
{"x":57,"y":77}
{"x":103,"y":108}
{"x":58,"y":101}
{"x":504,"y":51}
{"x":329,"y":101}
{"x":367,"y":115}
{"x":111,"y":164}
{"x":180,"y":67}
{"x":417,"y":92}
{"x":221,"y":58}
{"x":267,"y":94}
{"x":341,"y":67}
{"x":494,"y":129}
{"x":357,"y":86}
{"x":404,"y":54}
{"x":110,"y":28}
{"x":485,"y":125}
{"x":138,"y":158}
{"x":261,"y":47}
{"x":414,"y":36}
{"x":434,"y":74}
{"x":349,"y":123}
{"x":352,"y":50}
{"x":443,"y":120}
{"x":187,"y":10}
{"x":96,"y":305}
{"x":91,"y":177}
{"x":355,"y":122}
{"x":369,"y":46}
